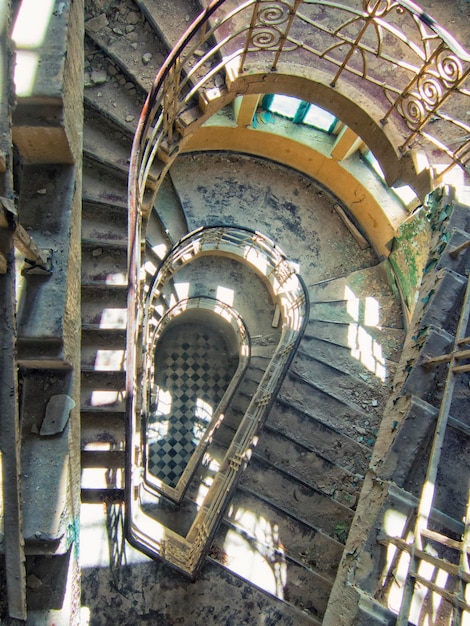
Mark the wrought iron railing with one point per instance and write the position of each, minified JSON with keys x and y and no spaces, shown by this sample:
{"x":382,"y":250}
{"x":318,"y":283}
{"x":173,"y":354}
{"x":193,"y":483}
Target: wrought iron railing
{"x":288,"y":291}
{"x":450,"y":573}
{"x":405,"y":67}
{"x":411,"y":76}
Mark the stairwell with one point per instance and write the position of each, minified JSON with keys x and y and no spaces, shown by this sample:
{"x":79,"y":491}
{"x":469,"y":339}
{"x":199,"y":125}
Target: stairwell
{"x":280,"y":544}
{"x":283,"y":533}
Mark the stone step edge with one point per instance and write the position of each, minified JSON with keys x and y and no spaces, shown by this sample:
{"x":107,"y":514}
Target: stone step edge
{"x":318,"y":387}
{"x":91,"y":107}
{"x":118,"y":62}
{"x":106,"y":205}
{"x":127,"y":129}
{"x":292,"y":607}
{"x":287,"y":403}
{"x":119,"y":244}
{"x":334,"y":367}
{"x":307,"y":448}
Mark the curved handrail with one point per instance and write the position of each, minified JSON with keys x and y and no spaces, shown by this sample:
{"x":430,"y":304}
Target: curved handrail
{"x":424,"y":82}
{"x":288,"y":290}
{"x":427,"y":71}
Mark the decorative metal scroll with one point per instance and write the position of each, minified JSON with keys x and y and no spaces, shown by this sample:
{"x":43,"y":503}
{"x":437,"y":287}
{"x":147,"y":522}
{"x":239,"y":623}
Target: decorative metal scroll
{"x":413,"y":72}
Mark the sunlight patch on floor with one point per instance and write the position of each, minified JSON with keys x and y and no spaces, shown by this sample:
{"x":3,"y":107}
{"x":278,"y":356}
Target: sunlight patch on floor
{"x":363,"y":346}
{"x":114,"y":318}
{"x":109,"y":360}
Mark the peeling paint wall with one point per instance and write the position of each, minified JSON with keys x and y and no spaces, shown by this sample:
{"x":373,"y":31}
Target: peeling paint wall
{"x":413,"y":248}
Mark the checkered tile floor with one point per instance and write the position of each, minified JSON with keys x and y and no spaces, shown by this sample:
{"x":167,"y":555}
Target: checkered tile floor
{"x":193,"y":371}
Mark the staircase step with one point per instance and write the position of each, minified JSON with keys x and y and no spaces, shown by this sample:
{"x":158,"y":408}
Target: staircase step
{"x":104,"y":390}
{"x":460,"y":217}
{"x":461,"y":262}
{"x":104,"y":223}
{"x":103,"y":185}
{"x":308,"y":466}
{"x":103,"y":348}
{"x":370,"y":367}
{"x":102,"y":426}
{"x":344,"y":385}
{"x":106,"y":140}
{"x":108,"y":265}
{"x":108,"y":495}
{"x":359,"y":284}
{"x":319,"y":436}
{"x":103,"y":379}
{"x":266,"y":523}
{"x":299,"y":500}
{"x":441,"y":296}
{"x":108,"y":459}
{"x":126,"y":49}
{"x":111,"y":98}
{"x":388,"y":342}
{"x":380,"y":311}
{"x":352,"y":420}
{"x":267,"y":567}
{"x":170,"y":20}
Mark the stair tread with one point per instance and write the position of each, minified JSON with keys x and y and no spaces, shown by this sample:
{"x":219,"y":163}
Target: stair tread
{"x":170,"y":25}
{"x":377,"y":311}
{"x":303,"y":502}
{"x":261,"y":565}
{"x":107,"y":265}
{"x":127,"y":49}
{"x":361,"y":366}
{"x":263,"y":521}
{"x":347,"y":418}
{"x":103,"y":185}
{"x":355,"y":391}
{"x":305,"y":464}
{"x":317,"y":435}
{"x":111,"y":98}
{"x":389,"y":341}
{"x":361,"y":283}
{"x":105,"y":139}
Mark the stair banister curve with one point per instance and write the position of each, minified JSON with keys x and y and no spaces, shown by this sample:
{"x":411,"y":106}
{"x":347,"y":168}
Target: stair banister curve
{"x":287,"y":289}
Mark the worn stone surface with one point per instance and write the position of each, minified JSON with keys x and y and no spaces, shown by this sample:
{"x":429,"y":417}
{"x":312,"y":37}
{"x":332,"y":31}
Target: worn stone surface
{"x":57,"y":414}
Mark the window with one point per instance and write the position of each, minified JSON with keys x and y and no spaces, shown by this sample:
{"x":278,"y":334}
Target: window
{"x":299,"y":111}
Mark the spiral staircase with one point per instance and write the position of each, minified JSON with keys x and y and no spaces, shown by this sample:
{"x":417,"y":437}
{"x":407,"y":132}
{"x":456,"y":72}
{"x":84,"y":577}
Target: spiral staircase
{"x":279,"y":548}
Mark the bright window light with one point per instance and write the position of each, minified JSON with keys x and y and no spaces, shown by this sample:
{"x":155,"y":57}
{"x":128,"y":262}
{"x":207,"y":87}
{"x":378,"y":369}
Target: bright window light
{"x":319,"y":118}
{"x":285,"y":105}
{"x":301,"y":112}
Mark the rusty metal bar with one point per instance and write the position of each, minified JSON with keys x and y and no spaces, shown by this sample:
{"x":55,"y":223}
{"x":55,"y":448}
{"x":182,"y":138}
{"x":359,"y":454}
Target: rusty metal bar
{"x":455,"y":252}
{"x":292,"y":14}
{"x":427,"y":494}
{"x":445,"y":358}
